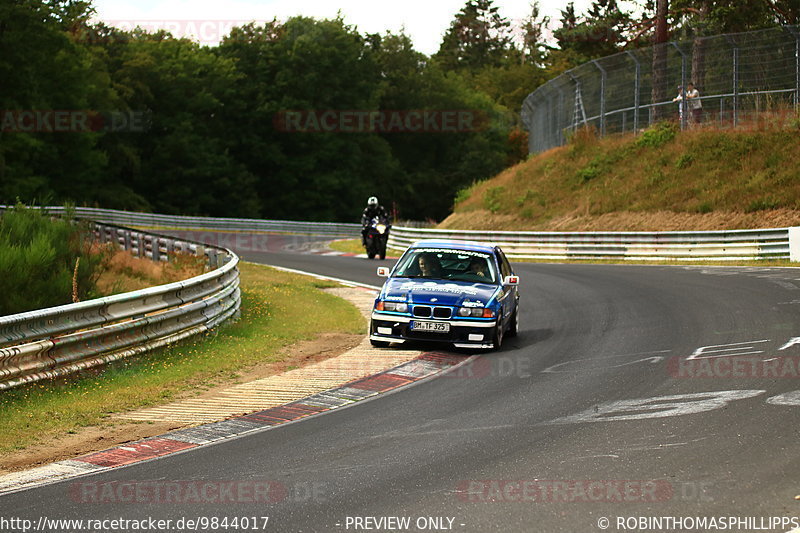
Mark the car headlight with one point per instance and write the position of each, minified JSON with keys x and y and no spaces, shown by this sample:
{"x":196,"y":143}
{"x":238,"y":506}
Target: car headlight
{"x":471,"y":311}
{"x":397,"y":307}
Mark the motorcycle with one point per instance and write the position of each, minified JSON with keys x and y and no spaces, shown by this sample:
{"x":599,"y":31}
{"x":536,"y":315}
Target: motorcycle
{"x":376,"y":237}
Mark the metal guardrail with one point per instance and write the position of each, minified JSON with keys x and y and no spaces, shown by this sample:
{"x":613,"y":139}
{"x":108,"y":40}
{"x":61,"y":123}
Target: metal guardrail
{"x":60,"y":340}
{"x":150,"y":220}
{"x":668,"y":245}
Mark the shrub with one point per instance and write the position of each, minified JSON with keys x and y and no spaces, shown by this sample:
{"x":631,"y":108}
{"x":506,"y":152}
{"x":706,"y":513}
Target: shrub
{"x":684,"y":161}
{"x":491,"y":198}
{"x":762,"y":205}
{"x":657,"y":135}
{"x":38,"y":259}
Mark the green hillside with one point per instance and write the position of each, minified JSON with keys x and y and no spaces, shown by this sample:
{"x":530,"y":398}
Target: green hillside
{"x":663,"y":179}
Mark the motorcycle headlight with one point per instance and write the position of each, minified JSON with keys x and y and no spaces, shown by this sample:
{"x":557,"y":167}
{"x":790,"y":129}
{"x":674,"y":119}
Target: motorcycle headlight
{"x":381,"y":228}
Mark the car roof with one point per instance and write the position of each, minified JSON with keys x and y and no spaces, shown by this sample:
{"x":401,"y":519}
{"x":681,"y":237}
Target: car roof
{"x":455,"y":245}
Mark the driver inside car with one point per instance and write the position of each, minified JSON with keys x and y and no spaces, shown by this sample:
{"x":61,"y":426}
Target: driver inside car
{"x":477,"y":266}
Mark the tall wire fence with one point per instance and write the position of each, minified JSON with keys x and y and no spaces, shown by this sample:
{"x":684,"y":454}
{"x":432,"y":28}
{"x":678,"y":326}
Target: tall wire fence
{"x":738,"y":76}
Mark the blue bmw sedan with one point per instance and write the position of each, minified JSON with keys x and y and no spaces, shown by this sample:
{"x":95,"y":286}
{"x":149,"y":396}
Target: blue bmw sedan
{"x":456,"y":292}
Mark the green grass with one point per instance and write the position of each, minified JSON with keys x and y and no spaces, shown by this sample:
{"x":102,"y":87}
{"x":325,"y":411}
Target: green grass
{"x":278,"y":309}
{"x":348,"y":246}
{"x":661,"y":170}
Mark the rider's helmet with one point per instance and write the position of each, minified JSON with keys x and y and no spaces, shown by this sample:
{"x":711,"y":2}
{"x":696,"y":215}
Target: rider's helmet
{"x":372,"y":202}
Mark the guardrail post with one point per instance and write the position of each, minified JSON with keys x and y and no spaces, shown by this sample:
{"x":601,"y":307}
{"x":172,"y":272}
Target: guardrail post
{"x":794,"y":244}
{"x":212,"y":255}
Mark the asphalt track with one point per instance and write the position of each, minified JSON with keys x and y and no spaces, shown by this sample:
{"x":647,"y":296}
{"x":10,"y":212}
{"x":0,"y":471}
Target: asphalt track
{"x":632,"y":392}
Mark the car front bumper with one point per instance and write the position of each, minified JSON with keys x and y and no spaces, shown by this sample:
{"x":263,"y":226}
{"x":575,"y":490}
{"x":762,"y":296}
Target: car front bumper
{"x":463,"y":333}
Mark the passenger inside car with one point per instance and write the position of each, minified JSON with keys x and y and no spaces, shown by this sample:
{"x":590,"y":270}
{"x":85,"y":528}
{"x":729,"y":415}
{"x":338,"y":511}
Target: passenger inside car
{"x":429,"y":265}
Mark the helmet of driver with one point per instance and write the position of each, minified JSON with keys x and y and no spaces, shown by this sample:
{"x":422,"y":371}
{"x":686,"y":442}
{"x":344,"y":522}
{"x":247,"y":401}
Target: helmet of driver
{"x":372,"y":202}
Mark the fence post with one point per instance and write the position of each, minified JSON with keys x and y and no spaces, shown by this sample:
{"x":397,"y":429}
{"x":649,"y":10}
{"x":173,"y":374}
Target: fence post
{"x":560,"y":116}
{"x":636,"y":83}
{"x":684,"y":104}
{"x":796,"y":35}
{"x":602,"y":97}
{"x":735,"y":79}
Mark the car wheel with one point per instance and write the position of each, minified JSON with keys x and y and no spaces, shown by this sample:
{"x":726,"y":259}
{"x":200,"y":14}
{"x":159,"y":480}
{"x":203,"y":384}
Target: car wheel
{"x":513,"y":328}
{"x":497,"y":337}
{"x":378,"y":344}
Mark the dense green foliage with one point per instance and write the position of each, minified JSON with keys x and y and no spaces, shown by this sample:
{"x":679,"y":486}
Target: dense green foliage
{"x":210,"y":135}
{"x":38,"y":257}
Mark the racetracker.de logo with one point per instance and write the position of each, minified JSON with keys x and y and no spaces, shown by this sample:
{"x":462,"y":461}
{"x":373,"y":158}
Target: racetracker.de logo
{"x":203,"y":31}
{"x":178,"y":492}
{"x":564,"y":491}
{"x":383,"y":121}
{"x":734,"y":367}
{"x":71,"y":121}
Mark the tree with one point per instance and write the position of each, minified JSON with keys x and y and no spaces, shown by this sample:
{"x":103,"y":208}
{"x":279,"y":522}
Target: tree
{"x":477,"y":37}
{"x":533,"y":29}
{"x":601,"y":32}
{"x":660,"y":39}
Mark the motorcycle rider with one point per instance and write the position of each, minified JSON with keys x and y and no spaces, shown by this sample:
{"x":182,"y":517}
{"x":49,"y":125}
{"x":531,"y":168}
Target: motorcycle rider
{"x":373,"y":209}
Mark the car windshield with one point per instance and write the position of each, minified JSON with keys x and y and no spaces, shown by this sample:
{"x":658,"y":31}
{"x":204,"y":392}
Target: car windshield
{"x":456,"y":265}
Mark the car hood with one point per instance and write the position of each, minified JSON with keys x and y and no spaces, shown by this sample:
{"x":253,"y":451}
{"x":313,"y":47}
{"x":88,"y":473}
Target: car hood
{"x":452,"y":293}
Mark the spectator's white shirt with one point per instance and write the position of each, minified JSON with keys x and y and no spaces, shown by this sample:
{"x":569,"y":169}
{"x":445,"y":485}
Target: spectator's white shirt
{"x":693,"y":99}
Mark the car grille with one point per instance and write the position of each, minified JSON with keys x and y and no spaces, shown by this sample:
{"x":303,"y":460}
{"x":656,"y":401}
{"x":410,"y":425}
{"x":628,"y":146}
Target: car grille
{"x":425,"y":311}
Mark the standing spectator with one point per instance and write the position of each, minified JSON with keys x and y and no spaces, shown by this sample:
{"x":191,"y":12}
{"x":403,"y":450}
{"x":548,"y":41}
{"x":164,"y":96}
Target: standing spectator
{"x":695,"y":105}
{"x":679,"y":99}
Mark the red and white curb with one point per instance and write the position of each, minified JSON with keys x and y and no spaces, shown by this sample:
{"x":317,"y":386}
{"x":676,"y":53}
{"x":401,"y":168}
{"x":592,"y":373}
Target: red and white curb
{"x":423,"y":367}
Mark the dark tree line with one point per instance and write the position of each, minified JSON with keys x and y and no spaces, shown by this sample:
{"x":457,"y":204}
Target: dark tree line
{"x":171,"y":126}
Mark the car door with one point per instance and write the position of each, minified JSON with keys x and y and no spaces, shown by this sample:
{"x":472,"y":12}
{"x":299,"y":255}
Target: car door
{"x":509,"y":298}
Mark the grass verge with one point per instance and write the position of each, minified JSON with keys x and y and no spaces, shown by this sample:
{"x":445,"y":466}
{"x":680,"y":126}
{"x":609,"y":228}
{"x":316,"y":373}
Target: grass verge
{"x":278,"y":309}
{"x":348,"y":246}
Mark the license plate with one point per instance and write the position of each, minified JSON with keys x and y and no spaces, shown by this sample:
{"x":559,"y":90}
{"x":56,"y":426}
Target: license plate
{"x":436,"y":327}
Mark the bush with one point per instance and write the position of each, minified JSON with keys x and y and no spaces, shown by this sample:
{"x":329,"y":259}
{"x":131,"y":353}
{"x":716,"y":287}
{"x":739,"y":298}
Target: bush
{"x":492,"y":198}
{"x":657,"y":135}
{"x":38,"y":258}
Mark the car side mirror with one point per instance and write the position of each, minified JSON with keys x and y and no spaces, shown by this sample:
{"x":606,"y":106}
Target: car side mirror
{"x":511,"y":280}
{"x":383,"y":272}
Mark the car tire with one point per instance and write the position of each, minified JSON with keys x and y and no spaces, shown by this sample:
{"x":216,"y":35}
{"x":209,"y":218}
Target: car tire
{"x":513,"y":328}
{"x":497,"y":336}
{"x":379,"y":344}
